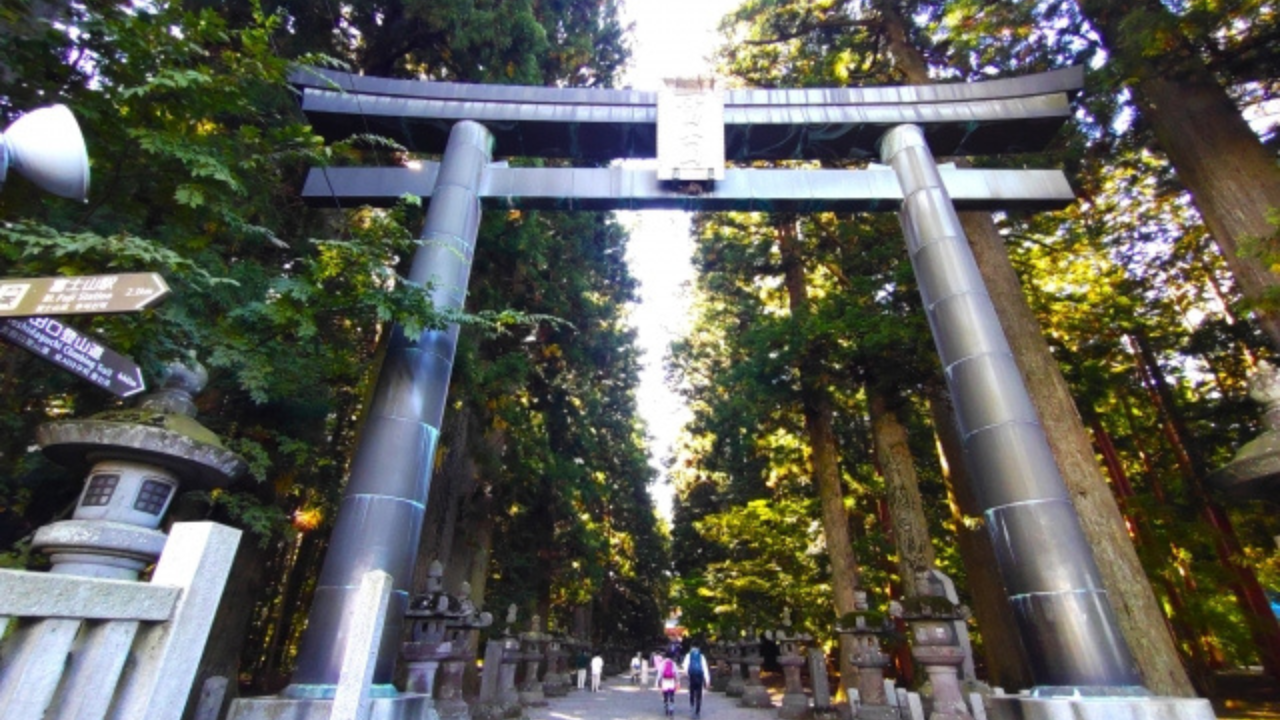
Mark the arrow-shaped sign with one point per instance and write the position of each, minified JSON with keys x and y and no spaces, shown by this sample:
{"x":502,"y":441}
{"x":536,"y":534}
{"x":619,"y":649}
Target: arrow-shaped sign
{"x":85,"y":295}
{"x":75,"y":352}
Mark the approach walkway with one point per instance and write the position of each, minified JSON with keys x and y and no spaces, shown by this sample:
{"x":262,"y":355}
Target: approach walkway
{"x":619,"y":699}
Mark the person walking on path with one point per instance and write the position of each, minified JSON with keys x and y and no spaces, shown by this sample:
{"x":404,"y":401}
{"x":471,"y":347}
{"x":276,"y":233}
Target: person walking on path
{"x":636,"y":664}
{"x":669,"y":682}
{"x":644,"y":670}
{"x":695,"y":667}
{"x":597,"y":667}
{"x":580,"y":663}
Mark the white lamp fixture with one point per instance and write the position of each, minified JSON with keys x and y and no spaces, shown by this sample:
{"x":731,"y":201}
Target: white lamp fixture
{"x":46,"y":147}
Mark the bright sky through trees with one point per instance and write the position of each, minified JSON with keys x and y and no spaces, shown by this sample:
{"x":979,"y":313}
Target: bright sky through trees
{"x":670,"y":38}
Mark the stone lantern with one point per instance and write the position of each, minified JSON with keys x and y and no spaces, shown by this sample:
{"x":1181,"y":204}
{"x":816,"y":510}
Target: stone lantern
{"x":531,"y":646}
{"x":931,"y":618}
{"x":555,"y":683}
{"x":137,"y":462}
{"x":795,"y":704}
{"x":868,"y":657}
{"x":720,"y":675}
{"x":754,"y":693}
{"x":441,"y":646}
{"x":736,"y":685}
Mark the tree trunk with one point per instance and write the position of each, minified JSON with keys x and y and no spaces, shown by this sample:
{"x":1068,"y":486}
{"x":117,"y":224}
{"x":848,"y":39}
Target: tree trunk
{"x":452,"y":483}
{"x":902,"y":490}
{"x":823,"y":453}
{"x":1201,"y":675}
{"x":1126,"y":583}
{"x":1006,"y":659}
{"x":1233,"y":179}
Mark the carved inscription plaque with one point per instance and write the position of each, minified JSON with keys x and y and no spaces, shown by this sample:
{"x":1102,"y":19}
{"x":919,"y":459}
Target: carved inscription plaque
{"x":690,"y":131}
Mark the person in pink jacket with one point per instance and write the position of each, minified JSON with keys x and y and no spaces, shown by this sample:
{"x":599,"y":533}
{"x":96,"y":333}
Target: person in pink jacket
{"x":669,"y":682}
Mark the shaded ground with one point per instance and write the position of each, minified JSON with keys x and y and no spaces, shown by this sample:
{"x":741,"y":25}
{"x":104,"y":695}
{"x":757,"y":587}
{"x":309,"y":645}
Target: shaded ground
{"x":1240,"y":696}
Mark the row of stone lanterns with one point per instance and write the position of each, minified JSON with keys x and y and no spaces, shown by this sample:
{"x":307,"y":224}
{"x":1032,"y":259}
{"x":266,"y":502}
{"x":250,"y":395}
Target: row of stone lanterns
{"x":935,"y":622}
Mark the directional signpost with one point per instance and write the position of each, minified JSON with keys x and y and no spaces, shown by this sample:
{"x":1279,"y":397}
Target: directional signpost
{"x":90,"y":294}
{"x":25,"y":301}
{"x":75,"y":352}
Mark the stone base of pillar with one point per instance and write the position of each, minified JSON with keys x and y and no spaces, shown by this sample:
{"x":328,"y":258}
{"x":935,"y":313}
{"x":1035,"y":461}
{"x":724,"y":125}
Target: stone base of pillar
{"x":453,"y":709}
{"x":400,"y":707}
{"x":497,"y":711}
{"x":719,"y":683}
{"x":735,"y":687}
{"x":830,"y":713}
{"x":878,"y":712}
{"x":795,"y":706}
{"x":555,"y":685}
{"x":533,"y":697}
{"x":1023,"y":707}
{"x":755,"y":696}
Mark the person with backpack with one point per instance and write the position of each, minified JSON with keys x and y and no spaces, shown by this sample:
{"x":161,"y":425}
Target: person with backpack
{"x":668,"y":682}
{"x":695,"y":666}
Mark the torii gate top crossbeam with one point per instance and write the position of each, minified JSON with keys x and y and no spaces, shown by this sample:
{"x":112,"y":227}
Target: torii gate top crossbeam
{"x":998,"y":116}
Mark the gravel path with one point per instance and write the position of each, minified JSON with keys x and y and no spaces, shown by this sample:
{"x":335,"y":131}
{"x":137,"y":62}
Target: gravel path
{"x":618,"y":699}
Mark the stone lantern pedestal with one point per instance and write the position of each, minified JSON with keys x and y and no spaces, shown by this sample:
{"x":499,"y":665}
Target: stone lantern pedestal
{"x":137,"y":461}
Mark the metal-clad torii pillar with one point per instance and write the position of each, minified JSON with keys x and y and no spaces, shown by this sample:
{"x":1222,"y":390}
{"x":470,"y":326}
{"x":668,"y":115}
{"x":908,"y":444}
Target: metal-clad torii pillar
{"x":1067,"y":626}
{"x":1046,"y":564}
{"x":380,"y":517}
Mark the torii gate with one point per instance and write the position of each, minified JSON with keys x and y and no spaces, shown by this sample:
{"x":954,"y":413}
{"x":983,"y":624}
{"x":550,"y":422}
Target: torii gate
{"x":1053,"y":584}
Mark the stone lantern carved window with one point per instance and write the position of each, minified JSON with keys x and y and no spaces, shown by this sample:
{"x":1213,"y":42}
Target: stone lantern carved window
{"x":100,"y":489}
{"x":152,"y":497}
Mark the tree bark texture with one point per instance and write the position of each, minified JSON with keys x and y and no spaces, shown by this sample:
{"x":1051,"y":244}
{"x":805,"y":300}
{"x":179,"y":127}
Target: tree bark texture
{"x":823,"y":453}
{"x":1190,"y":637}
{"x":1126,"y":582}
{"x":453,"y":481}
{"x":1006,"y":659}
{"x":1234,"y":180}
{"x":902,"y":490}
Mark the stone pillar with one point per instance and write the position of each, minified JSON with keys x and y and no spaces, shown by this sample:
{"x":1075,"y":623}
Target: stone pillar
{"x":380,"y":516}
{"x":488,"y":705}
{"x":1060,"y":605}
{"x":754,"y":693}
{"x":508,"y":695}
